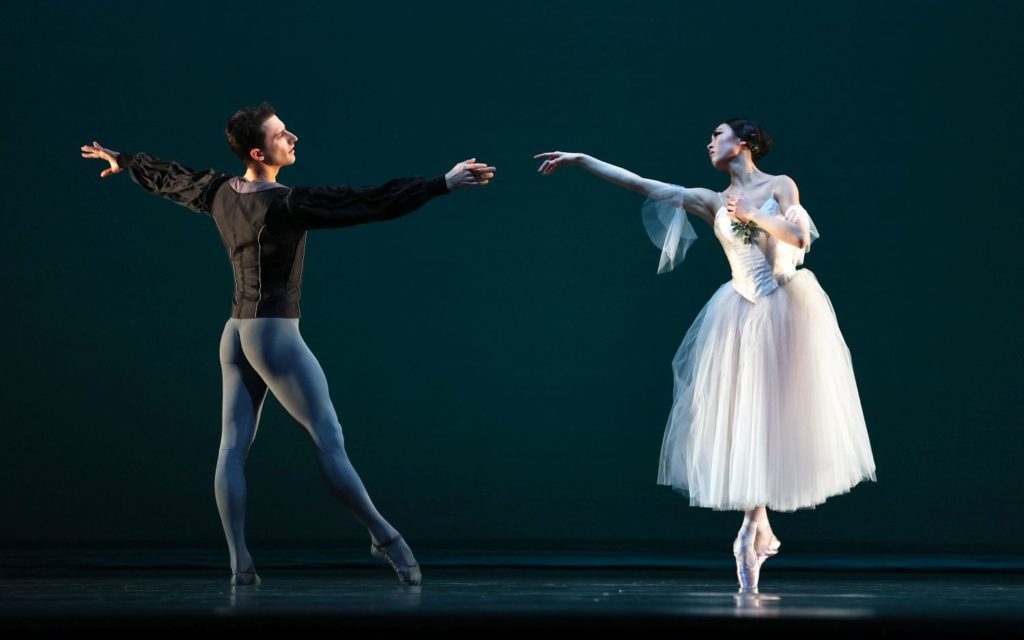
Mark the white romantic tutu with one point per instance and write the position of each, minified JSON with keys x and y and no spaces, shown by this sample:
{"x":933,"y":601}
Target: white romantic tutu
{"x":765,"y":408}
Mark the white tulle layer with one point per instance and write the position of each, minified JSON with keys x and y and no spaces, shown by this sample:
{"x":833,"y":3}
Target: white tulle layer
{"x":765,"y":408}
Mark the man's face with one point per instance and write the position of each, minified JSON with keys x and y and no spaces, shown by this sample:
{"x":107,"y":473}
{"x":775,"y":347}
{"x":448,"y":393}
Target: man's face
{"x":278,"y":143}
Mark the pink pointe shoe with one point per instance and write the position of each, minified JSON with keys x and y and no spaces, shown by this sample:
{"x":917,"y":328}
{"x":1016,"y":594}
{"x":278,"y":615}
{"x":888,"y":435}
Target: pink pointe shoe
{"x":749,"y":559}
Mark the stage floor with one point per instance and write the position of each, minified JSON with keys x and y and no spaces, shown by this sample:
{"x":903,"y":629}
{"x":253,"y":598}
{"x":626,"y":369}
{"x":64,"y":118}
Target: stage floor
{"x":501,"y":600}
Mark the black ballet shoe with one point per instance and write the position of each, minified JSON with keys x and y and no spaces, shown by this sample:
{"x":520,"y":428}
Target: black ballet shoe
{"x":408,"y":574}
{"x":245,"y":578}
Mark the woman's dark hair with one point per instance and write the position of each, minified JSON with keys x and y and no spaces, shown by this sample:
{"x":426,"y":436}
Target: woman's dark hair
{"x":757,"y":139}
{"x":245,"y":129}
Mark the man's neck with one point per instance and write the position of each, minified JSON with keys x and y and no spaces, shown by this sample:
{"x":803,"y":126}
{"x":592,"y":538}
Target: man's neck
{"x":260,"y":173}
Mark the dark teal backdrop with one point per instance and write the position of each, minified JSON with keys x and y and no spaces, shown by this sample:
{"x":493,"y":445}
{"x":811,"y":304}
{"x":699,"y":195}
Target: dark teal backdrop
{"x":500,"y":359}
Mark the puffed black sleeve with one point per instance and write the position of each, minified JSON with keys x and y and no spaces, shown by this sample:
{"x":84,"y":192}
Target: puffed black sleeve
{"x":180,"y":184}
{"x":331,"y":207}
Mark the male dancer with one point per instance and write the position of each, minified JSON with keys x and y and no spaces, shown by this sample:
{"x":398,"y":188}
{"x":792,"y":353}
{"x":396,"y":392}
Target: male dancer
{"x":263,"y":225}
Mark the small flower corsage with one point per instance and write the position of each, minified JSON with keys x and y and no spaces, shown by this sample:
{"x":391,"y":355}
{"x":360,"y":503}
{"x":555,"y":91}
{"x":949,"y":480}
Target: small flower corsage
{"x":746,"y":230}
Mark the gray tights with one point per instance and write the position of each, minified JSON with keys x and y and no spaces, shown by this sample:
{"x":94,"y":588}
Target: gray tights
{"x":257,"y":353}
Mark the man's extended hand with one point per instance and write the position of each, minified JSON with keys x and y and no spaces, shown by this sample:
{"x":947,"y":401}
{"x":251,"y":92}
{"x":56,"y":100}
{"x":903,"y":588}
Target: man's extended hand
{"x":469,"y":174}
{"x":96,"y":151}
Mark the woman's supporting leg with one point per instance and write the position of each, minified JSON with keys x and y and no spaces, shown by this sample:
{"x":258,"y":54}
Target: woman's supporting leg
{"x":754,"y":544}
{"x":244,"y":393}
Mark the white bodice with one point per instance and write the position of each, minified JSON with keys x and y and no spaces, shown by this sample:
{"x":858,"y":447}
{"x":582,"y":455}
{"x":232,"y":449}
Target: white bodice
{"x":758,"y":268}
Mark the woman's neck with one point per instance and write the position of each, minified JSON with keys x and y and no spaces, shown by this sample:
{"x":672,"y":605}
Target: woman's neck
{"x":743,"y":174}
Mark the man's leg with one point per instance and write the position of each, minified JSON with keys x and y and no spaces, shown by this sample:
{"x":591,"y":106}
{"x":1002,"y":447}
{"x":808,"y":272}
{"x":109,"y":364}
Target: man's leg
{"x":244,"y":393}
{"x":280,"y":355}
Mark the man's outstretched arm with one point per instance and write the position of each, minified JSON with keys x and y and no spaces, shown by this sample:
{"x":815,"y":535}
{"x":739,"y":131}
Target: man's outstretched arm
{"x":332,"y":207}
{"x":179,"y":184}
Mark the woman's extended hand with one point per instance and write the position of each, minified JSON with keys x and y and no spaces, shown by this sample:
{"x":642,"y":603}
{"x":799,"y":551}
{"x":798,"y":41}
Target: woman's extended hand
{"x":555,"y":159}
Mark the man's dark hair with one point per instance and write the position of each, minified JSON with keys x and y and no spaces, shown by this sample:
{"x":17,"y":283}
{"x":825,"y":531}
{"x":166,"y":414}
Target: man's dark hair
{"x":245,"y":129}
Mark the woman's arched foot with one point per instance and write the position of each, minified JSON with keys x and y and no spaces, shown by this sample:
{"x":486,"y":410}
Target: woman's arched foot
{"x":245,"y":578}
{"x":398,"y":554}
{"x":770,"y":549}
{"x":748,"y":563}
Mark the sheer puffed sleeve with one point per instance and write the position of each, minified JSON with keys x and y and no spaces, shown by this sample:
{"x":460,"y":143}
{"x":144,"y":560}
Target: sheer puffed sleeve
{"x":668,"y":226}
{"x":332,"y":207}
{"x":799,"y":216}
{"x":177,"y":183}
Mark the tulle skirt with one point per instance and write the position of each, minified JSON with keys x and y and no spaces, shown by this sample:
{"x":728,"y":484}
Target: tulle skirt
{"x":765,"y":407}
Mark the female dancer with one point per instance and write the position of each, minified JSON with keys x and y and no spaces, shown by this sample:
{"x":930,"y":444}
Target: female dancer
{"x":765,"y":412}
{"x":263,"y":225}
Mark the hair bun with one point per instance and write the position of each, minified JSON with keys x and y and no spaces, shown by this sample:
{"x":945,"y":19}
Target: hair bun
{"x":757,"y":139}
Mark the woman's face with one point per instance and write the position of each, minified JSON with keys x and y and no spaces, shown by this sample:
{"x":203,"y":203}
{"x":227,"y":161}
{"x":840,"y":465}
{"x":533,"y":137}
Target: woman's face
{"x":724,"y":146}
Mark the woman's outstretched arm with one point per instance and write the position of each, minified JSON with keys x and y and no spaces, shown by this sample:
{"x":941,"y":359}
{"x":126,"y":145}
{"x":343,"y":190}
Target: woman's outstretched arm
{"x":700,"y":202}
